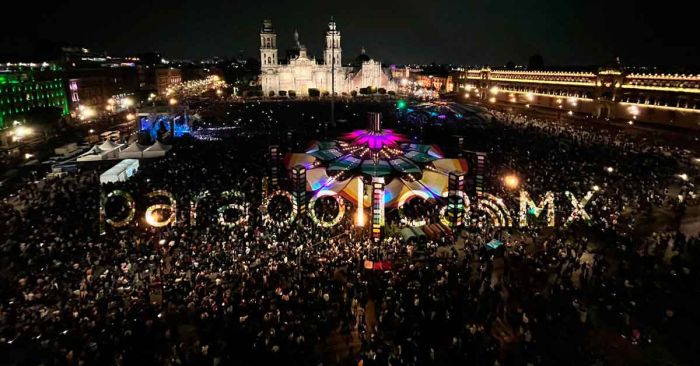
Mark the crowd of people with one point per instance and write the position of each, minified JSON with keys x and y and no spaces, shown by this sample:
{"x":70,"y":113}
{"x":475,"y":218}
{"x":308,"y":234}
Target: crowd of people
{"x":243,"y":286}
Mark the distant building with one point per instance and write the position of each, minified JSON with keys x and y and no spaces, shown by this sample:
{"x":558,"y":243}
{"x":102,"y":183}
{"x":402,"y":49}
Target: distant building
{"x":167,"y":77}
{"x":26,"y":87}
{"x":94,"y":87}
{"x":439,"y":83}
{"x":302,"y":72}
{"x":606,"y":93}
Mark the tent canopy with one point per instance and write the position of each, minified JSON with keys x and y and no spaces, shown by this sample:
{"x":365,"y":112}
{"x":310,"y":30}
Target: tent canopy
{"x":376,"y":169}
{"x":345,"y":163}
{"x":120,"y":172}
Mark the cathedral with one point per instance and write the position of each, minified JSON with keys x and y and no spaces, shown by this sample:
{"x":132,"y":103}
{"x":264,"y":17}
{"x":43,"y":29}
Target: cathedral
{"x":302,"y":72}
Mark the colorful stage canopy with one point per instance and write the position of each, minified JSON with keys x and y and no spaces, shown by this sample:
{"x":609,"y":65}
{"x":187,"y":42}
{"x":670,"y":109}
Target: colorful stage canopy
{"x":347,"y":165}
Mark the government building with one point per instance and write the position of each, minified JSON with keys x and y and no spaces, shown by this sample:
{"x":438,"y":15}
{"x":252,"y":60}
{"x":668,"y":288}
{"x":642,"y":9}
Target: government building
{"x":302,"y":72}
{"x":608,"y":93}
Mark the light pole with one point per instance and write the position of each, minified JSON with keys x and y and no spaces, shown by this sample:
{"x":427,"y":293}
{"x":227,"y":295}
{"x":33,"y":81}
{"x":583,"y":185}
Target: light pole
{"x":333,"y":77}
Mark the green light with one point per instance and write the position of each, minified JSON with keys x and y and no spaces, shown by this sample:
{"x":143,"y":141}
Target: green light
{"x":401,"y":104}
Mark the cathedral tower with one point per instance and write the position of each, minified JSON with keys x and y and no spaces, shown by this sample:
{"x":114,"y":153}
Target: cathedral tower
{"x":268,"y":45}
{"x":332,"y":51}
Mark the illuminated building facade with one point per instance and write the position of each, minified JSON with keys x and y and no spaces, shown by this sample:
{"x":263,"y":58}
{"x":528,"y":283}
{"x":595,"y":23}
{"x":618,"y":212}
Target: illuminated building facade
{"x":25,"y":87}
{"x":167,"y":77}
{"x":303,"y":72}
{"x":607,"y":93}
{"x":434,"y":82}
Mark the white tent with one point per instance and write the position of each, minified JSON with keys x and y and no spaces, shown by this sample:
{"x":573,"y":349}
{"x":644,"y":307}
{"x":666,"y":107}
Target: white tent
{"x":95,"y":153}
{"x":120,"y":172}
{"x":111,"y":149}
{"x":156,"y":150}
{"x":135,"y":150}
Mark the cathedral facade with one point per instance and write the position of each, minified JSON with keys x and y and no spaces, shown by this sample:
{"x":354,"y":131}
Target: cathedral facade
{"x":303,"y":72}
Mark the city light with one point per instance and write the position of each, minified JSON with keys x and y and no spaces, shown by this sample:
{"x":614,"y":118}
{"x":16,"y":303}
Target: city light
{"x":22,"y":131}
{"x":492,"y":100}
{"x":493,"y":90}
{"x":130,"y":117}
{"x":127,"y":102}
{"x":172,"y":101}
{"x":511,"y":181}
{"x":85,"y":112}
{"x":633,"y":110}
{"x":683,"y":176}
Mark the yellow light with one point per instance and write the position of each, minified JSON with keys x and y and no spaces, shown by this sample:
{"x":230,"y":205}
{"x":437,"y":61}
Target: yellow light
{"x":28,"y":156}
{"x":530,"y":97}
{"x":130,"y":116}
{"x":492,"y":100}
{"x":596,"y":188}
{"x":22,"y":131}
{"x":360,"y":219}
{"x":87,"y":112}
{"x":173,"y":101}
{"x":127,"y":102}
{"x":511,"y":181}
{"x":493,"y":90}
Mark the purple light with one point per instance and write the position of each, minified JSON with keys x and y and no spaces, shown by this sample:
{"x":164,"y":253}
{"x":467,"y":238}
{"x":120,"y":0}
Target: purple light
{"x":442,"y":116}
{"x":375,"y":141}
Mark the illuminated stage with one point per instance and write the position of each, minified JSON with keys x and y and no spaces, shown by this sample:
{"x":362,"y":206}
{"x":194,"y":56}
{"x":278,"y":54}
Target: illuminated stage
{"x":375,"y":168}
{"x":439,"y":113}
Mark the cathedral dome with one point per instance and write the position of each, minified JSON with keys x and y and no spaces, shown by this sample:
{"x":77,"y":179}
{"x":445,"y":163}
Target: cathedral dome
{"x":362,"y":57}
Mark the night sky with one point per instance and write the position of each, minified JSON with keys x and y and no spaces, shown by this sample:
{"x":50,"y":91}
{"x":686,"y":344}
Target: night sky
{"x":457,"y":31}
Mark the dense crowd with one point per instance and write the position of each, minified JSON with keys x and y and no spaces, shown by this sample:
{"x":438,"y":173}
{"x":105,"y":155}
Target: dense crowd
{"x":619,"y":289}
